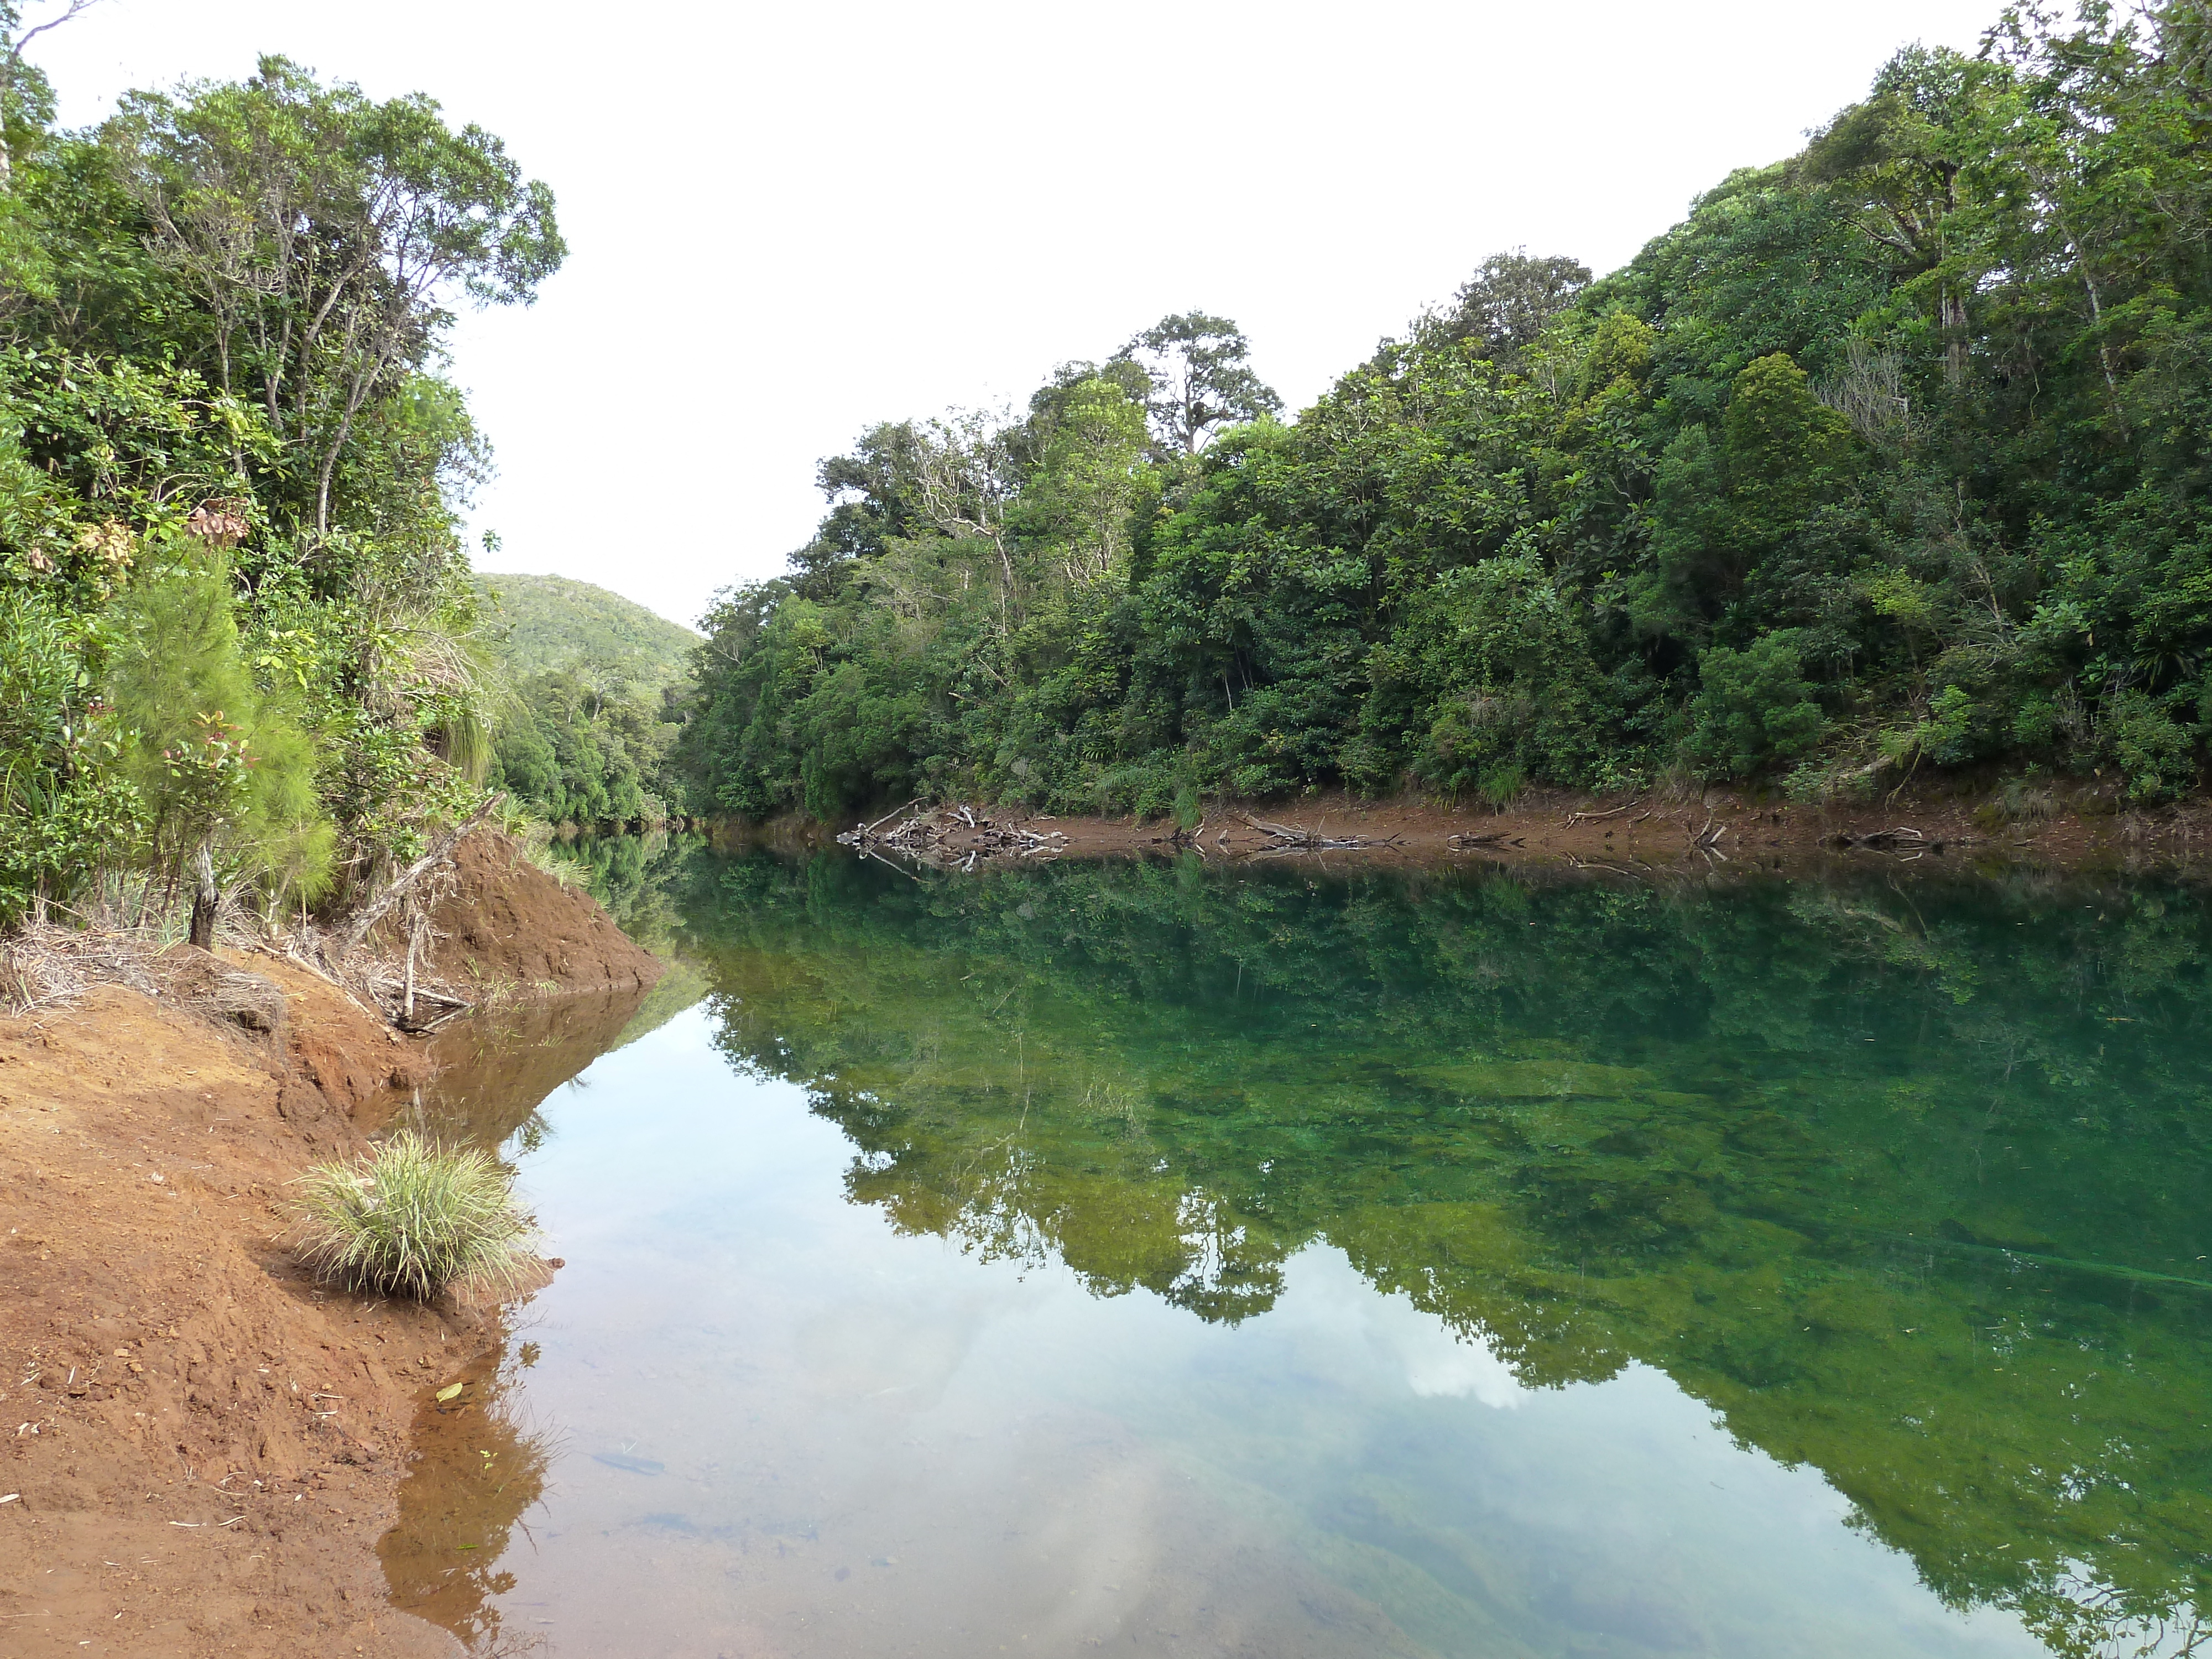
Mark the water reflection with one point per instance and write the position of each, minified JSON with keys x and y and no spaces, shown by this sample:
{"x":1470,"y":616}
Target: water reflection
{"x":1907,"y":1182}
{"x":476,"y":1474}
{"x":1435,"y":1264}
{"x":477,"y":1466}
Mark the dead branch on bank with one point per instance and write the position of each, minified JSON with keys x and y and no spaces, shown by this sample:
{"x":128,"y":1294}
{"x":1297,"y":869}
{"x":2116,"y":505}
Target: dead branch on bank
{"x":1574,"y":818}
{"x":441,"y":851}
{"x":114,"y":943}
{"x":1297,"y":838}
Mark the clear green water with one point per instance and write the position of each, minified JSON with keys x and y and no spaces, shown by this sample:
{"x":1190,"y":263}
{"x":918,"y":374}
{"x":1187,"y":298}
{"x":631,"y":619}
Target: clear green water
{"x":1269,"y":1262}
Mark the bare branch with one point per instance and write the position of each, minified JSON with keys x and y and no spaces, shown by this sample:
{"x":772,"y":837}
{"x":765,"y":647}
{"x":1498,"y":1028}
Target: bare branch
{"x":76,"y":9}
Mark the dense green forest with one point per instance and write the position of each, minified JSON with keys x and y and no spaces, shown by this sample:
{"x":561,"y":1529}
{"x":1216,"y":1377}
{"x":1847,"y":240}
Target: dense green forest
{"x":237,"y":636}
{"x":1889,"y":459}
{"x":586,"y":731}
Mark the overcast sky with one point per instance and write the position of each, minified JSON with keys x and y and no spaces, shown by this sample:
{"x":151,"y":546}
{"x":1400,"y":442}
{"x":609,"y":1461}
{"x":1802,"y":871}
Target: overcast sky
{"x":789,"y":222}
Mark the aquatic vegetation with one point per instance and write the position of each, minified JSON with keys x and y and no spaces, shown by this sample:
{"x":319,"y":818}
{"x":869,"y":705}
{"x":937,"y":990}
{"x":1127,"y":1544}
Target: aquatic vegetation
{"x":417,"y":1219}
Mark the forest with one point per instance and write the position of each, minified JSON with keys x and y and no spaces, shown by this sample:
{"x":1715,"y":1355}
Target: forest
{"x":587,"y":734}
{"x":1887,"y":462}
{"x":239,"y":657}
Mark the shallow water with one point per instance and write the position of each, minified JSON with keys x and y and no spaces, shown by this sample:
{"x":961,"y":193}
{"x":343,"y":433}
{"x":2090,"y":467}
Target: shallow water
{"x":1179,"y":1261}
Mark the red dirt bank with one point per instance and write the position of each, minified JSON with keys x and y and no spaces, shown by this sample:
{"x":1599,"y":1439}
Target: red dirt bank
{"x":1654,"y":830}
{"x":203,"y":1447}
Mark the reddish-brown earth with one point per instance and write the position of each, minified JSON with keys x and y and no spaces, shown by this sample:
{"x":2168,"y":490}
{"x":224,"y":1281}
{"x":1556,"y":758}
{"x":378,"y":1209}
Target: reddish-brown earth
{"x":509,"y":923}
{"x":1655,"y":830}
{"x":200,"y":1448}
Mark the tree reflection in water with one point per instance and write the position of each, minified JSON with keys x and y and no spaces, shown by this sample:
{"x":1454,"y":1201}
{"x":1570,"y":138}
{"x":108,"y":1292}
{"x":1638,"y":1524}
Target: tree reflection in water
{"x":1908,"y":1180}
{"x":477,"y":1471}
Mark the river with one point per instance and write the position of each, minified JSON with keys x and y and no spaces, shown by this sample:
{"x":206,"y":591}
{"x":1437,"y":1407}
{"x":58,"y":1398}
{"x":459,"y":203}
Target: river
{"x":1284,"y":1260}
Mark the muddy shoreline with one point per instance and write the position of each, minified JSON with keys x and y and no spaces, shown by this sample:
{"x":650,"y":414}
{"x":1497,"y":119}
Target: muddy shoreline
{"x":202,"y":1446}
{"x":2091,"y":832}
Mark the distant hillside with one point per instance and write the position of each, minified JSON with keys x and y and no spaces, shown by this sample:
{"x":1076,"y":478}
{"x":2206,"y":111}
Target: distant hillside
{"x":537,"y":623}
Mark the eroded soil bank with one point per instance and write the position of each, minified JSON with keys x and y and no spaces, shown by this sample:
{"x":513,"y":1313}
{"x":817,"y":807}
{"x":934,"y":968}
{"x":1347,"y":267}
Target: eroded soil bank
{"x":2087,"y":829}
{"x":201,"y":1447}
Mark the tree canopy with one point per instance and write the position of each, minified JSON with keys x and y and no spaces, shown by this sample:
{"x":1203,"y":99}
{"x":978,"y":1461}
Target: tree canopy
{"x":1889,"y":459}
{"x":237,"y":652}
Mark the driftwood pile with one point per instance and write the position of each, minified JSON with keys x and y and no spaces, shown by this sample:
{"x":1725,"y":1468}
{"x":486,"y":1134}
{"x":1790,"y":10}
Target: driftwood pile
{"x":946,"y":836}
{"x":1298,"y":838}
{"x":1903,"y":839}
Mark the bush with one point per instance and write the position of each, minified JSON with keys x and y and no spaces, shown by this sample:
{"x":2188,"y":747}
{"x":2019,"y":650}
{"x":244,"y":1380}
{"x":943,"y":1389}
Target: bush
{"x":415,"y":1218}
{"x":1756,"y":708}
{"x":2158,"y":754}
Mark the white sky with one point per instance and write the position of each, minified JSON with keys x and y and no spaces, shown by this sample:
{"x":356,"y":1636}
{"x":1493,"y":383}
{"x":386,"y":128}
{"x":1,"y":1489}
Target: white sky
{"x":787,"y":222}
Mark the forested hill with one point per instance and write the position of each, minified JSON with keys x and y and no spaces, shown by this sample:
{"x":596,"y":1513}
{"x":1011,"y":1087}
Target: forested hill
{"x":1890,"y":458}
{"x":590,"y":711}
{"x":533,"y":623}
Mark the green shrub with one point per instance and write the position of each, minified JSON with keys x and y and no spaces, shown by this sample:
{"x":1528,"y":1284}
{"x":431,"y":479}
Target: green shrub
{"x":415,"y":1218}
{"x":2158,"y":753}
{"x":1756,"y":708}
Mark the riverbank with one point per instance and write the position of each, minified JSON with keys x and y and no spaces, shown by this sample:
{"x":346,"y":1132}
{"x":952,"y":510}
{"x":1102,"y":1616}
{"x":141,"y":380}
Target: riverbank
{"x":202,"y":1446}
{"x":2092,"y":828}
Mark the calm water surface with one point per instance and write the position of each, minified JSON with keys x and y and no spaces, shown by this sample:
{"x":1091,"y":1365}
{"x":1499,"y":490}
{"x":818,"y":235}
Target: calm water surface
{"x":1172,"y":1260}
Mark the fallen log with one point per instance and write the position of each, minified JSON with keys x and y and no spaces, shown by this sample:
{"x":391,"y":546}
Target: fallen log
{"x":1574,"y":818}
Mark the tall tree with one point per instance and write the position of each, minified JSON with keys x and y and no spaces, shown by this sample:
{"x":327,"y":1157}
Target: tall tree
{"x":1200,"y":377}
{"x":328,"y":236}
{"x":26,"y":99}
{"x":1510,"y":297}
{"x":872,"y":493}
{"x":1899,"y":164}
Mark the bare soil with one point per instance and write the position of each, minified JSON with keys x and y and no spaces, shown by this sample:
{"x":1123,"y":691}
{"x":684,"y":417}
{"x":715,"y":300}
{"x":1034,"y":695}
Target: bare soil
{"x":509,"y":923}
{"x":199,"y":1447}
{"x":2091,"y":829}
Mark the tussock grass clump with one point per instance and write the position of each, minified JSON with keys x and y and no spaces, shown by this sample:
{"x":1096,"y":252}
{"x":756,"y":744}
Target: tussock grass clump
{"x":415,"y":1218}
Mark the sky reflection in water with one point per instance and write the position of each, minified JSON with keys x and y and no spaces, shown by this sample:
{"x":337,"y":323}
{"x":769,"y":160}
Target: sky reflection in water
{"x":1186,"y":1263}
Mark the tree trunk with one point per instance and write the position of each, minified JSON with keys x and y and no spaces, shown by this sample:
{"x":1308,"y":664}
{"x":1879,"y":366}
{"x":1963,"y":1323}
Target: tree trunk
{"x":1953,"y":318}
{"x":205,"y":896}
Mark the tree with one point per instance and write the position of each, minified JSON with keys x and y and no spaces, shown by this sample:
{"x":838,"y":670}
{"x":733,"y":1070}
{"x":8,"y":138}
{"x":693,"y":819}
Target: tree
{"x":964,"y":483}
{"x":327,"y":236}
{"x":225,"y":775}
{"x":26,"y":99}
{"x":872,"y":494}
{"x":1090,"y":480}
{"x":1201,"y":379}
{"x":1509,"y":298}
{"x":1756,"y":708}
{"x":1900,"y":163}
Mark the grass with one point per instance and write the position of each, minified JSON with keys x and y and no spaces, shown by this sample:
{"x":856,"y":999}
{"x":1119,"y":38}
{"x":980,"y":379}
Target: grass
{"x":415,"y":1218}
